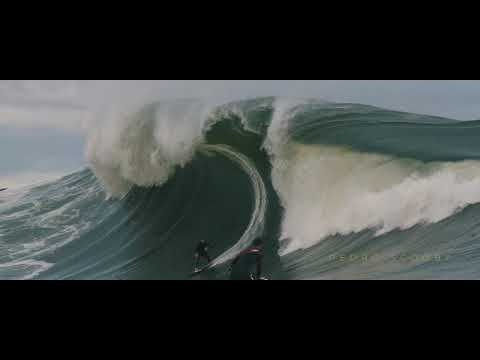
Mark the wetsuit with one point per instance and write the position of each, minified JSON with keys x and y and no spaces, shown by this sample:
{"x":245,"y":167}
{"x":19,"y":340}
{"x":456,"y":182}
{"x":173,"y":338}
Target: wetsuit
{"x":201,"y":252}
{"x":248,"y":265}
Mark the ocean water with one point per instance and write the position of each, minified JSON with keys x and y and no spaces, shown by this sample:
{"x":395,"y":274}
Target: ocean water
{"x":338,"y":191}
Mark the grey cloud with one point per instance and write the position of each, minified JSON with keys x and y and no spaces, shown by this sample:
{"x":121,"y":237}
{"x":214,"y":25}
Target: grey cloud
{"x":452,"y":98}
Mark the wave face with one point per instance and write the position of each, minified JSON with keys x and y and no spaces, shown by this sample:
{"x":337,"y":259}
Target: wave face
{"x":339,"y":191}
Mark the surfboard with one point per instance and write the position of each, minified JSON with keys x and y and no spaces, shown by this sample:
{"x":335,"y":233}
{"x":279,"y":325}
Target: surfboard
{"x":199,"y":271}
{"x":3,"y":189}
{"x":262,"y":278}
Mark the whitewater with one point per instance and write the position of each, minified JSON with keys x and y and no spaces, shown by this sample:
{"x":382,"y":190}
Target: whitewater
{"x":338,"y":191}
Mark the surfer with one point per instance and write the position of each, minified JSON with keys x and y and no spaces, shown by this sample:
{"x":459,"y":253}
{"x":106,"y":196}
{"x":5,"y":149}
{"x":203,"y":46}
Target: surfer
{"x":248,"y":264}
{"x":201,"y":252}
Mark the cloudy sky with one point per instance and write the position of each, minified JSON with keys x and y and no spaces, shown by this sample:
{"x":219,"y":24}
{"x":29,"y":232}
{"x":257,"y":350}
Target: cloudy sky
{"x":43,"y":122}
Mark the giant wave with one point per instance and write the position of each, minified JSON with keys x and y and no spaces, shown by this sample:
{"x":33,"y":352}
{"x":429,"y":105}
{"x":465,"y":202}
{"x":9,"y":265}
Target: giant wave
{"x":337,"y":190}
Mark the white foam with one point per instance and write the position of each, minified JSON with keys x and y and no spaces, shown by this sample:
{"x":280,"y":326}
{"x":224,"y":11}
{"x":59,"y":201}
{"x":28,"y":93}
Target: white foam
{"x":331,"y":190}
{"x":145,"y":148}
{"x":23,"y":270}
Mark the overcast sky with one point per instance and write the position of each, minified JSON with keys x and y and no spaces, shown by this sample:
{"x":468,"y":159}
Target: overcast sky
{"x":43,"y":121}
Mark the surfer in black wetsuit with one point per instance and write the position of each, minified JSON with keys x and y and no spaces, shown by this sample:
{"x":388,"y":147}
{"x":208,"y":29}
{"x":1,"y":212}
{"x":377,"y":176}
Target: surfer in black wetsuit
{"x":248,"y":264}
{"x":201,"y":252}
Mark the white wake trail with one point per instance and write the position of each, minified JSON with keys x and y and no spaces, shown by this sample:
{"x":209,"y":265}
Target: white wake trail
{"x":257,"y":222}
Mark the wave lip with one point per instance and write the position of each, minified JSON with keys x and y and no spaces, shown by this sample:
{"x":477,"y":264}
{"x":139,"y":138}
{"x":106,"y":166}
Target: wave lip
{"x":143,"y":149}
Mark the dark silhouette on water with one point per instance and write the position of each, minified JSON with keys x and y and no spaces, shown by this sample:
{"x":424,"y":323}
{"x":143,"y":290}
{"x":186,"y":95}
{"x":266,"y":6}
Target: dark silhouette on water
{"x":201,"y":252}
{"x":248,"y":264}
